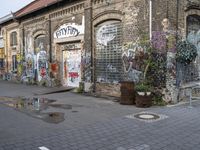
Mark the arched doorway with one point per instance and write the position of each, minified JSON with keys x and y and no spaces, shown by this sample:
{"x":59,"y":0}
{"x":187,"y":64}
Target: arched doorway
{"x":193,"y":36}
{"x":108,"y":51}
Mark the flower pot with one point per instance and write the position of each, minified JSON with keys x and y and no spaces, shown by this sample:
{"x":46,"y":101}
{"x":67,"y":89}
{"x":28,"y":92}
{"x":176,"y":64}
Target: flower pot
{"x":148,"y":93}
{"x":141,"y":93}
{"x":143,"y":101}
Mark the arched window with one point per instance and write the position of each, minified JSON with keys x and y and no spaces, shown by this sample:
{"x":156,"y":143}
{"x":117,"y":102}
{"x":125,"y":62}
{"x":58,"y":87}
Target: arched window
{"x":40,"y":43}
{"x":13,"y":38}
{"x":193,"y":23}
{"x":193,"y":30}
{"x":192,"y":71}
{"x":108,"y":50}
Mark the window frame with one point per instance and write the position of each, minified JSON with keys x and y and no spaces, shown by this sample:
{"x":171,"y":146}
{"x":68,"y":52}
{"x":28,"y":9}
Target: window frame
{"x":13,"y":38}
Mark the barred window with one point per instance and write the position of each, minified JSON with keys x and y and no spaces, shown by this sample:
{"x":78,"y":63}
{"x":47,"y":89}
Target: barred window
{"x":108,"y":52}
{"x":13,"y":38}
{"x":192,"y":71}
{"x":40,"y":43}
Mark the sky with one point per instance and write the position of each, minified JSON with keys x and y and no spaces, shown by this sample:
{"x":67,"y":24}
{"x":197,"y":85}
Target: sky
{"x":12,"y":5}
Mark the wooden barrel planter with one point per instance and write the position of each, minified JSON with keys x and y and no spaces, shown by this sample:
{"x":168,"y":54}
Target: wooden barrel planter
{"x":143,"y":101}
{"x":127,"y":93}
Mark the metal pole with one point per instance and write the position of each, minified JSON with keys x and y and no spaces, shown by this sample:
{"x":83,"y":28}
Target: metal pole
{"x":177,"y":18}
{"x":50,"y":40}
{"x":190,"y":106}
{"x":150,"y":19}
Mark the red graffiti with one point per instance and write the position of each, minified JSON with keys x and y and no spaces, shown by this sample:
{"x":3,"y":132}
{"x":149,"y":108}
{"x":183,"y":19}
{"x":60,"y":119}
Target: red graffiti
{"x":73,"y":74}
{"x":54,"y":67}
{"x":43,"y":72}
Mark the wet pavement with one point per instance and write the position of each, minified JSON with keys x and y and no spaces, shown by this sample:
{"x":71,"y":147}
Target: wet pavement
{"x":91,"y":123}
{"x":35,"y":107}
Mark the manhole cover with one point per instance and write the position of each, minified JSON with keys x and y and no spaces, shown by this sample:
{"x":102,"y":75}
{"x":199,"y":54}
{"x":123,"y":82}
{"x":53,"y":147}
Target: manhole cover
{"x":147,"y":116}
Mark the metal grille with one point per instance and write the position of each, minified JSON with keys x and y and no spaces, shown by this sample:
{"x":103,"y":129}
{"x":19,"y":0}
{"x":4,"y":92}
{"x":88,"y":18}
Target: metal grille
{"x":191,"y":72}
{"x":108,"y":37}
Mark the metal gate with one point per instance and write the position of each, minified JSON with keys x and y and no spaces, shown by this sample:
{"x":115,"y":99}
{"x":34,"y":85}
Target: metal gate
{"x":191,"y":72}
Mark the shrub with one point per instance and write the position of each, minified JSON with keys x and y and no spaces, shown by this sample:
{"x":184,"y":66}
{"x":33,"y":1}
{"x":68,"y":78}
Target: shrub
{"x":186,"y":52}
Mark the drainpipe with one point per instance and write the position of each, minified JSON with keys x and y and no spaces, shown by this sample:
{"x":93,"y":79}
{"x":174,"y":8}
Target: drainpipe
{"x":177,"y":65}
{"x":177,"y":17}
{"x":150,"y":19}
{"x":50,"y":44}
{"x":23,"y":42}
{"x":6,"y":49}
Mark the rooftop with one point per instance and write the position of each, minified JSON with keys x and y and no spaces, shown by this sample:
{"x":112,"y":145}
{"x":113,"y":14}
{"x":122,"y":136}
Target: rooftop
{"x":34,"y":6}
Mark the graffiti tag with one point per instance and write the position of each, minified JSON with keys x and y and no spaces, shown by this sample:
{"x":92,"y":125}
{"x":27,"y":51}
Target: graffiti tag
{"x":69,"y":30}
{"x":106,"y":34}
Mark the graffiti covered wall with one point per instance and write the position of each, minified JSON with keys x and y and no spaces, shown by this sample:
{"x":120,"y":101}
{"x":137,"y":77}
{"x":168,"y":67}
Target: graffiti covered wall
{"x":35,"y":67}
{"x":132,"y":58}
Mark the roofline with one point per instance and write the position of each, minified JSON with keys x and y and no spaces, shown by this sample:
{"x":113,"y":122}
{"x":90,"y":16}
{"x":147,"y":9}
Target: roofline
{"x":6,"y":18}
{"x":15,"y":14}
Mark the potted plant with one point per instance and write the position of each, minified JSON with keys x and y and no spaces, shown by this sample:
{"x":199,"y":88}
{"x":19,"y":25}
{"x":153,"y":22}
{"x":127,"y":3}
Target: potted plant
{"x":143,"y":88}
{"x":143,"y":95}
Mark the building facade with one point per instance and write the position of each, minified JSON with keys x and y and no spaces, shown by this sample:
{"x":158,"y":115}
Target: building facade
{"x":100,"y":42}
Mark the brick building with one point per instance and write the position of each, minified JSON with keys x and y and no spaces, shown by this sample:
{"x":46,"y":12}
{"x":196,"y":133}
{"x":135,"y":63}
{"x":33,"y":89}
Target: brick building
{"x":97,"y":41}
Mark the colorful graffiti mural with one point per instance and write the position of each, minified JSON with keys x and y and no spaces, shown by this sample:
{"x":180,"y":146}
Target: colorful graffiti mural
{"x":29,"y":65}
{"x":35,"y":66}
{"x":86,"y":66}
{"x":42,"y":65}
{"x":132,"y":59}
{"x":72,"y":67}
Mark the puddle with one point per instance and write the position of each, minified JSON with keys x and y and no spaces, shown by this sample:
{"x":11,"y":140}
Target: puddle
{"x":53,"y":117}
{"x":74,"y":111}
{"x":63,"y":106}
{"x":35,"y":106}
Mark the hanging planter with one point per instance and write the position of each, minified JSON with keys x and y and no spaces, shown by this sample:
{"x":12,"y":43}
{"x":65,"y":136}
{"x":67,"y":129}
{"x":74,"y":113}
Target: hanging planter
{"x":186,"y":52}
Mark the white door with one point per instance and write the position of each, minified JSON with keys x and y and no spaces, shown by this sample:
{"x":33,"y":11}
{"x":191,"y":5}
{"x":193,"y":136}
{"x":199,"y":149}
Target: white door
{"x":72,"y":67}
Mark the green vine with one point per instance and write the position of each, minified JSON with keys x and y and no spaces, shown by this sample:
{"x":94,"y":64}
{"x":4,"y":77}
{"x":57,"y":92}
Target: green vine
{"x":186,"y":52}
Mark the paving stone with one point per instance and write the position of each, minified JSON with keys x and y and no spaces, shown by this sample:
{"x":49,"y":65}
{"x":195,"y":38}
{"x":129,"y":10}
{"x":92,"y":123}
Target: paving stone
{"x":97,"y":126}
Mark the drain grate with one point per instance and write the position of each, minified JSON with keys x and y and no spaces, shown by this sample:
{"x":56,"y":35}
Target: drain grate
{"x":147,"y":116}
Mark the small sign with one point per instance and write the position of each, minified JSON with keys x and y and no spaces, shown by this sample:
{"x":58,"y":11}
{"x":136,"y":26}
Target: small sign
{"x":68,"y":30}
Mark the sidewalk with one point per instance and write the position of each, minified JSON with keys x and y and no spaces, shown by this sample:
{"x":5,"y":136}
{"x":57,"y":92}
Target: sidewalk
{"x":96,"y":124}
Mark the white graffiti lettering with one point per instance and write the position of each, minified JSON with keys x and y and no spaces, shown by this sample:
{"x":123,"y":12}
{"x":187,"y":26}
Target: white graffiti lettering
{"x":106,"y":34}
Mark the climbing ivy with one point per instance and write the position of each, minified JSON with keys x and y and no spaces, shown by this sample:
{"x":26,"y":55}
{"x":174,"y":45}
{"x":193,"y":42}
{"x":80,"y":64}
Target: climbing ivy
{"x":186,"y":52}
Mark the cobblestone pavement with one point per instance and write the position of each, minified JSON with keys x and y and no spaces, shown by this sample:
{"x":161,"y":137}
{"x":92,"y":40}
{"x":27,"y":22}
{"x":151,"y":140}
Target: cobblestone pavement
{"x":97,"y":124}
